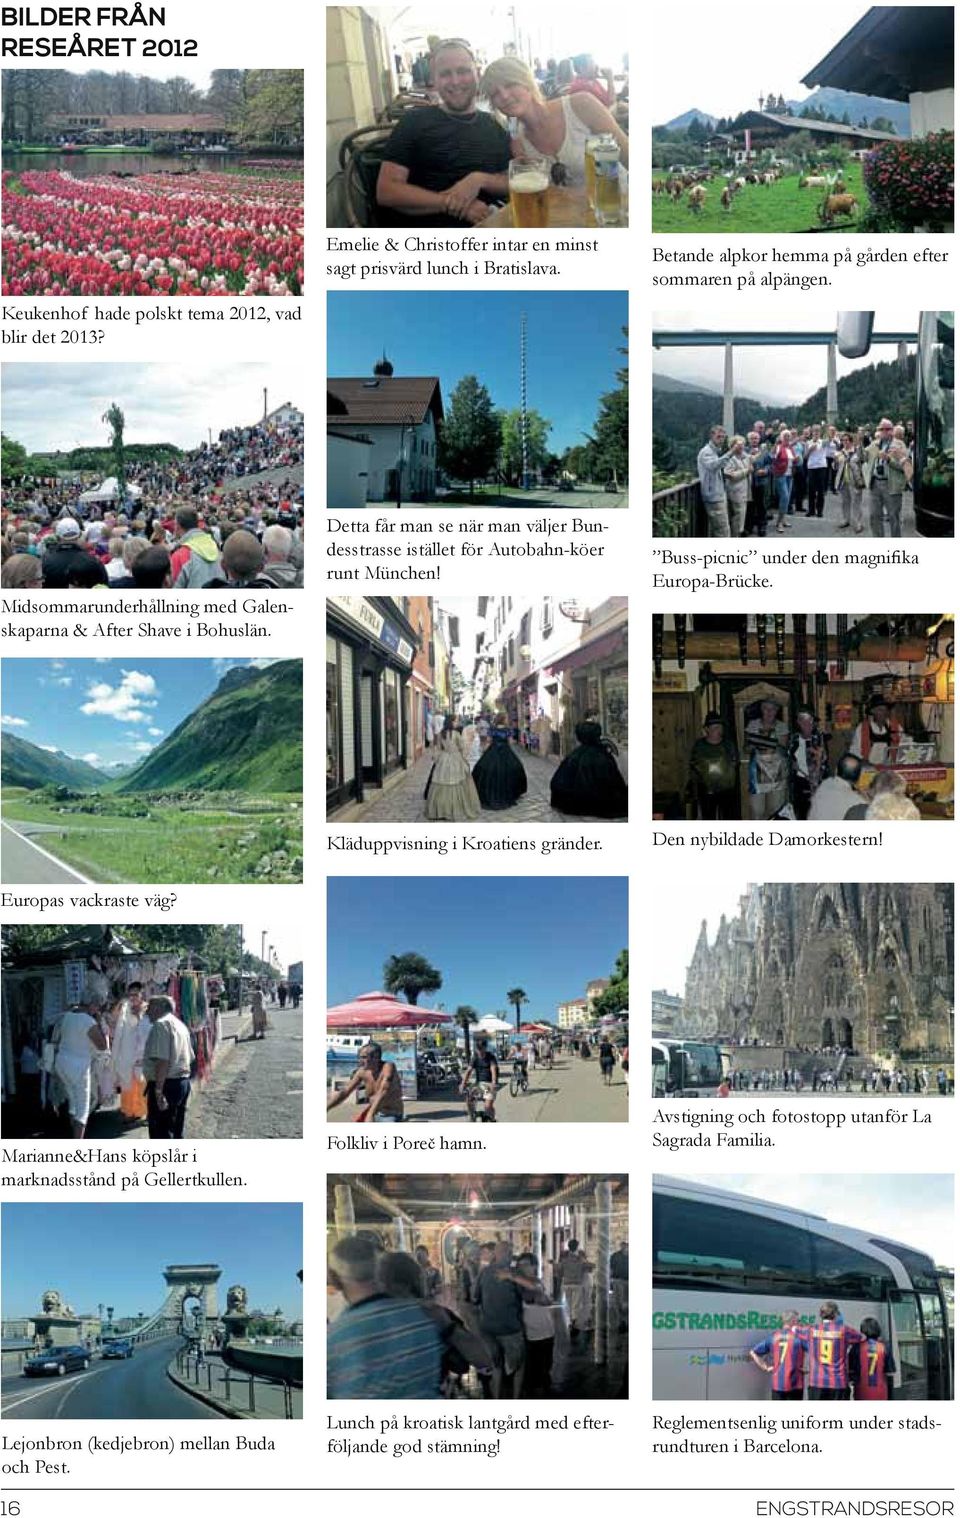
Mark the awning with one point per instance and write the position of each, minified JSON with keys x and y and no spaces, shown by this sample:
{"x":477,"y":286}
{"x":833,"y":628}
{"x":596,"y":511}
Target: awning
{"x":589,"y":653}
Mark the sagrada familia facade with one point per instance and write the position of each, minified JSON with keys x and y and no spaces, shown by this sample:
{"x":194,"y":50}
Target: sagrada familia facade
{"x":862,"y":967}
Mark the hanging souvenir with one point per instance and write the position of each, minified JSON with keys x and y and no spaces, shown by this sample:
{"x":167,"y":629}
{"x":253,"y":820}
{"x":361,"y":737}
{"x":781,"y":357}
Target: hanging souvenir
{"x":657,"y":644}
{"x":820,"y":623}
{"x":680,"y":626}
{"x":762,"y":638}
{"x":841,"y":644}
{"x":743,"y":627}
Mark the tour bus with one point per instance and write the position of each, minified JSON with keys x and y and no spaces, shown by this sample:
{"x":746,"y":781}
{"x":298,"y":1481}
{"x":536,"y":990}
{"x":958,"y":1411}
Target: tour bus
{"x":934,"y":452}
{"x":685,"y":1067}
{"x":728,"y":1268}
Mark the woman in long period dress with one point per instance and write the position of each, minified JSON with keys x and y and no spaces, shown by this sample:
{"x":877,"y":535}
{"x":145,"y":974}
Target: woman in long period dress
{"x":472,"y":746}
{"x":499,"y":776}
{"x":588,"y":783}
{"x":451,"y":794}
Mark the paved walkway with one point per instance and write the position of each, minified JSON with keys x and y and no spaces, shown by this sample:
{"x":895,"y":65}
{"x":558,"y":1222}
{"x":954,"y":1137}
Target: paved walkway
{"x":572,"y":1092}
{"x":401,"y":800}
{"x":232,"y":1392}
{"x":828,"y":526}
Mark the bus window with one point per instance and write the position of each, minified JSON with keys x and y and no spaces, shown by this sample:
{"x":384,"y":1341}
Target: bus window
{"x":845,"y":1273}
{"x":711,"y":1248}
{"x":920,"y":1267}
{"x":938,"y":1354}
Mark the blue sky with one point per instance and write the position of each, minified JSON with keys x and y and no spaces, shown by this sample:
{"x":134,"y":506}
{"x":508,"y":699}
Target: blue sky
{"x":116,"y":1252}
{"x":106,"y":711}
{"x":572,"y":342}
{"x":483,"y":933}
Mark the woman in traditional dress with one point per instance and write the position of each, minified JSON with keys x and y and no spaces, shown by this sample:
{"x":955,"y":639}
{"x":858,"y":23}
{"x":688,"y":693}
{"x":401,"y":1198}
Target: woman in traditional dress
{"x":588,"y":783}
{"x":499,"y":776}
{"x":451,"y":795}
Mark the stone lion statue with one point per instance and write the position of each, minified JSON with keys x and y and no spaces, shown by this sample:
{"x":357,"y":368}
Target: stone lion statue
{"x":52,"y":1302}
{"x":236,"y":1299}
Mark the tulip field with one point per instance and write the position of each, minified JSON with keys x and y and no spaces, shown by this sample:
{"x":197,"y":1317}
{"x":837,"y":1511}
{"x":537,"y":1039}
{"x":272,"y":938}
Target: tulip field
{"x":152,"y":234}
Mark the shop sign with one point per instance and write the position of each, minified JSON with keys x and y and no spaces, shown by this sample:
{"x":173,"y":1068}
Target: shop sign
{"x":374,"y":623}
{"x":74,"y":980}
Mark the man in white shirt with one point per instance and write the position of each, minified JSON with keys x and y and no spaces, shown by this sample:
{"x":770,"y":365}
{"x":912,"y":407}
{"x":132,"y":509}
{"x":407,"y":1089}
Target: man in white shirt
{"x":837,"y":794}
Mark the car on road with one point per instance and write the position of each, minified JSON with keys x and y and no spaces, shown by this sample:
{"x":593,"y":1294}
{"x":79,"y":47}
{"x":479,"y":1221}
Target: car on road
{"x":117,"y":1349}
{"x":57,"y":1361}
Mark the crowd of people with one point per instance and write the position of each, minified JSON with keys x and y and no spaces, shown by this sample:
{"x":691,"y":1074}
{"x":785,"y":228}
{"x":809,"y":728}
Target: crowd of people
{"x":791,"y":775}
{"x":496,"y":1329}
{"x":476,"y":768}
{"x":828,"y":1358}
{"x":876,"y":1080}
{"x":183,"y":524}
{"x":447,"y":160}
{"x":851,"y":480}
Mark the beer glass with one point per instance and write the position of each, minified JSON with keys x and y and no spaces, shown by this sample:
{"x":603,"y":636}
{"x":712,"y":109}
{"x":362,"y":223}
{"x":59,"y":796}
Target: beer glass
{"x":606,"y":167}
{"x":529,"y":185}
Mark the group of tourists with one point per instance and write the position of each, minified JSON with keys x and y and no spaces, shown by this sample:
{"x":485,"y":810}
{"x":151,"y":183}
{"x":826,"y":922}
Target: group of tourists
{"x":790,"y":774}
{"x":775,"y":473}
{"x":831,"y":1359}
{"x":399,"y":1332}
{"x":182,"y":523}
{"x":446,"y":162}
{"x":476,"y":768}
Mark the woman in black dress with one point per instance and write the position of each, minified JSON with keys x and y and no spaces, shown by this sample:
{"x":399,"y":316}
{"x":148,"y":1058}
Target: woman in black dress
{"x":499,"y":776}
{"x":588,"y":783}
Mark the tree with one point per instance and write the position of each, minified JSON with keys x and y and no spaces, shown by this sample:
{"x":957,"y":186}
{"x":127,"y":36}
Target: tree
{"x":698,"y":131}
{"x":464,"y":1017}
{"x":469,"y":439}
{"x":116,"y":421}
{"x":611,"y":432}
{"x":410,"y":975}
{"x":13,"y":458}
{"x":883,"y":124}
{"x":226,"y":93}
{"x":511,"y":456}
{"x":516,"y":998}
{"x":616,"y":998}
{"x":273,"y":106}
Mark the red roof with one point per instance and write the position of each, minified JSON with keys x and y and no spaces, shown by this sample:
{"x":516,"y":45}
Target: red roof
{"x":376,"y":1009}
{"x":384,"y":400}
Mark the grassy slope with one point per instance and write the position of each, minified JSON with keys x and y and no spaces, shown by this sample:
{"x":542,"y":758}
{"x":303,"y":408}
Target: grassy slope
{"x":248,"y":739}
{"x":780,"y":207}
{"x":168,"y":847}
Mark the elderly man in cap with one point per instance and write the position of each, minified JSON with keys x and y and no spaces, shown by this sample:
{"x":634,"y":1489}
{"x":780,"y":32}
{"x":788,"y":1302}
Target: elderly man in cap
{"x":886,"y":472}
{"x":713,"y":772}
{"x":63,"y":553}
{"x":767,"y":740}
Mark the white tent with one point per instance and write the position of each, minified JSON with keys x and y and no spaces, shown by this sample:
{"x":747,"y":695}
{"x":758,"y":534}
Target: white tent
{"x":109,"y":491}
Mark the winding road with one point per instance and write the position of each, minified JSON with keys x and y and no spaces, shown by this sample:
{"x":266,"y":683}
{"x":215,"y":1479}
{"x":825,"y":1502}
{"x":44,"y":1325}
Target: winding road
{"x":134,"y":1388}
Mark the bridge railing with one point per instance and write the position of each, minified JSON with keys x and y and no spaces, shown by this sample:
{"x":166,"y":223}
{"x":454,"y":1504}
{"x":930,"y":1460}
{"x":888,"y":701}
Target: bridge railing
{"x":235,"y":1388}
{"x":678,"y":512}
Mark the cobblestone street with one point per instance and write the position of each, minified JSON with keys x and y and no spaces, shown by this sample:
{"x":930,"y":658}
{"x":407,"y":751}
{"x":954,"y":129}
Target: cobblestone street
{"x":402,"y":800}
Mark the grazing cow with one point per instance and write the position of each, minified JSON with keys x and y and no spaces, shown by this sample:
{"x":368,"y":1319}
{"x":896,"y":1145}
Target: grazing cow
{"x":769,"y":178}
{"x":696,"y":199}
{"x":739,"y":184}
{"x":836,"y":205}
{"x":813,"y":181}
{"x":676,"y":189}
{"x":726,"y":198}
{"x":751,"y":179}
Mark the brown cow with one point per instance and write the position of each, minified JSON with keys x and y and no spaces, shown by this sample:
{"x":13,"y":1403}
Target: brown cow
{"x":836,"y":205}
{"x":726,"y":198}
{"x":696,"y":199}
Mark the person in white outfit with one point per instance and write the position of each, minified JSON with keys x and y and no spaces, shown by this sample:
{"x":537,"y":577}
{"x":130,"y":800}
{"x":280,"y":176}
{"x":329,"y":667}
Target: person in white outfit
{"x":556,"y":129}
{"x":78,"y":1039}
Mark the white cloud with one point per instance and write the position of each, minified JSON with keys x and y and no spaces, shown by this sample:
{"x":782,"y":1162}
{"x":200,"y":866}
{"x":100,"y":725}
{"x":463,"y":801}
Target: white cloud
{"x":14,"y":721}
{"x":91,"y":758}
{"x":155,"y":732}
{"x":141,"y":748}
{"x":126,"y":702}
{"x":49,"y":748}
{"x":63,"y":680}
{"x":57,"y":664}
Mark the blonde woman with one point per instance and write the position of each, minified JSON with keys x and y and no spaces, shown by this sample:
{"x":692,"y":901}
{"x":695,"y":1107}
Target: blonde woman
{"x":556,"y":129}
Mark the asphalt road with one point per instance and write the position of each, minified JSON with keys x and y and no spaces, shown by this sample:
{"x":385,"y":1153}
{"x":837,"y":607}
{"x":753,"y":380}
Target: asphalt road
{"x":21,"y":863}
{"x":135,"y":1388}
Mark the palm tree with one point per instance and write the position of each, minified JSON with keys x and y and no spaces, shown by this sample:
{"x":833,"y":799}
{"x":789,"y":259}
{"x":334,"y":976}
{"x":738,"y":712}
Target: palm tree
{"x":516,"y":998}
{"x":464,"y":1016}
{"x":410,"y":974}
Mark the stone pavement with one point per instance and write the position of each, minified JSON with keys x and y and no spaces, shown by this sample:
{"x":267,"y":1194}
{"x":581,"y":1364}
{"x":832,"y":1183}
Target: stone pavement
{"x":401,"y":800}
{"x":828,"y":526}
{"x":572,"y":1092}
{"x":255,"y":1091}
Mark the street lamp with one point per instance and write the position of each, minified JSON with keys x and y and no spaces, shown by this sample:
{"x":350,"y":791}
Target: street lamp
{"x":407,"y":421}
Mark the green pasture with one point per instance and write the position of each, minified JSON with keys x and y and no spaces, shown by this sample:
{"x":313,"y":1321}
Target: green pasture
{"x":779,"y":207}
{"x":220,"y":840}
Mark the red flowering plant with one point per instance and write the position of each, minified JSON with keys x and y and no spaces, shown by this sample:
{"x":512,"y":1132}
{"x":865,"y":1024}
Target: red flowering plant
{"x":910,"y":184}
{"x":215,"y":234}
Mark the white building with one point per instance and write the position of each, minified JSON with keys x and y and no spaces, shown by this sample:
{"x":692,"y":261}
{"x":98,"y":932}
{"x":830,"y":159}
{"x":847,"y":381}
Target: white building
{"x":286,"y":415}
{"x":399,"y":418}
